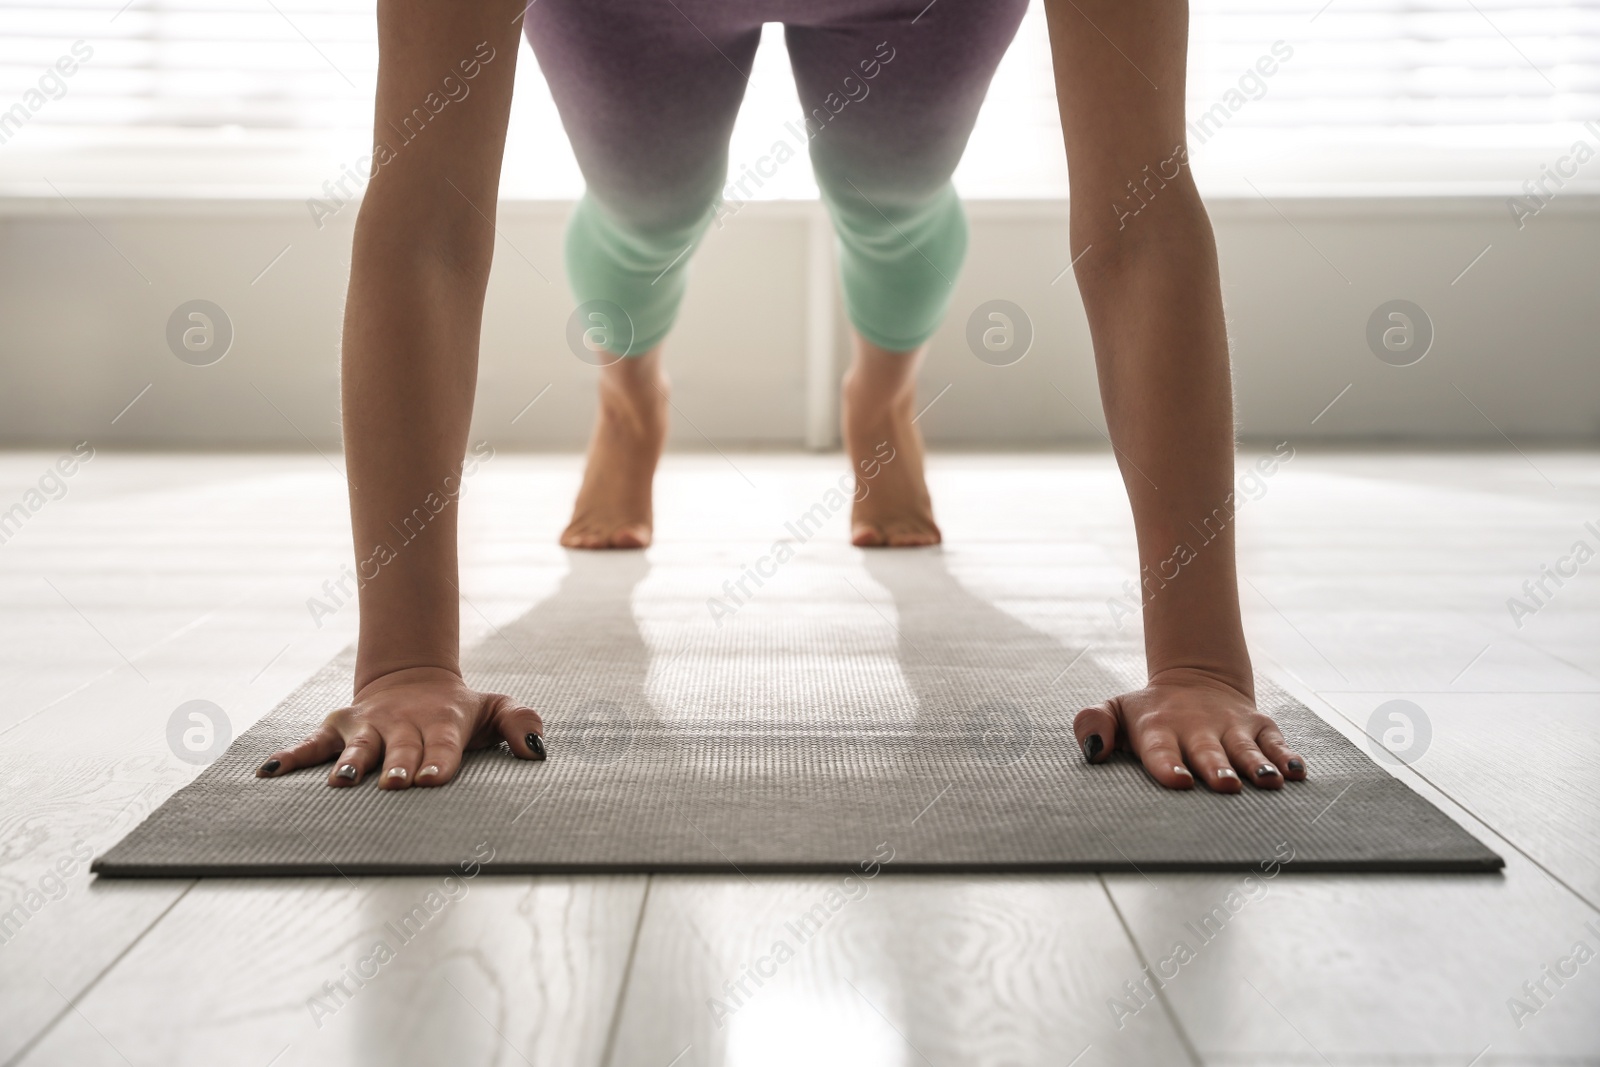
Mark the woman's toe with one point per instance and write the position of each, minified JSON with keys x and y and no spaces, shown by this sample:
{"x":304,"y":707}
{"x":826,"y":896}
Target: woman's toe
{"x":580,"y":537}
{"x":634,"y":535}
{"x":915,"y":537}
{"x":866,"y":535}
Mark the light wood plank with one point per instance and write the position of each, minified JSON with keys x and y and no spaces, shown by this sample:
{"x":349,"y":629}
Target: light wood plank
{"x":167,"y":560}
{"x":888,"y":970}
{"x":58,"y":929}
{"x":1371,"y":969}
{"x":504,"y":970}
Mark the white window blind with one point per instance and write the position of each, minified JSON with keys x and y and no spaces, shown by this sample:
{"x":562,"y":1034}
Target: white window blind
{"x":1472,"y":94}
{"x":269,"y":96}
{"x":197,"y":64}
{"x":1380,"y":64}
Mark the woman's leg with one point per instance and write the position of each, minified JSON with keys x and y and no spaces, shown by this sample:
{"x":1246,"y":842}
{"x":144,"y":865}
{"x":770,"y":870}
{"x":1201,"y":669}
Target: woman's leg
{"x":1147,"y":269}
{"x":891,"y":91}
{"x":648,"y":99}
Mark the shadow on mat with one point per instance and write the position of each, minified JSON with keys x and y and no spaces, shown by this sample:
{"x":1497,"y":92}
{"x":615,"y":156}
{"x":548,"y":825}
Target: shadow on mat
{"x":584,"y":659}
{"x":980,"y":677}
{"x":975,"y":670}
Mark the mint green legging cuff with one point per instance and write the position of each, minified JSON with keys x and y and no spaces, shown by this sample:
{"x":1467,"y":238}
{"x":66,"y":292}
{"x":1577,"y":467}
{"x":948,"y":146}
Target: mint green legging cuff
{"x":642,"y":270}
{"x":897,"y":265}
{"x":897,"y":262}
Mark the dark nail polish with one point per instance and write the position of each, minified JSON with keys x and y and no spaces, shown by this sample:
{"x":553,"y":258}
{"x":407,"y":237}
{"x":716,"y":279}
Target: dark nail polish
{"x":1296,"y":766}
{"x":270,"y":766}
{"x":536,"y":743}
{"x":347,"y":772}
{"x":1092,"y":747}
{"x":1266,"y":770}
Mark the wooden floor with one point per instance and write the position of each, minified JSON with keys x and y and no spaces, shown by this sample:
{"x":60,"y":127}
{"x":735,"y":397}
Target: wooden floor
{"x":157,"y":580}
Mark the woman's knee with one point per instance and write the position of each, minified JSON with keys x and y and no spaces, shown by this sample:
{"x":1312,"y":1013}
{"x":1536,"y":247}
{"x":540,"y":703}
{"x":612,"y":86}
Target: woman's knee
{"x":638,"y":266}
{"x":899,"y":260}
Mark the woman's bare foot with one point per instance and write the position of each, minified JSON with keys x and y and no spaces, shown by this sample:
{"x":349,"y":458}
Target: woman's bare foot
{"x":613,"y":508}
{"x":892,"y":507}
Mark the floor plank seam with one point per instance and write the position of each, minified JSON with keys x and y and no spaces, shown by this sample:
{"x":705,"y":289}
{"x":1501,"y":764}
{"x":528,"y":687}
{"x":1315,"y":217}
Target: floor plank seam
{"x":1166,"y":1005}
{"x":1360,"y":731}
{"x":615,"y":1024}
{"x":89,"y":986}
{"x":1548,"y":873}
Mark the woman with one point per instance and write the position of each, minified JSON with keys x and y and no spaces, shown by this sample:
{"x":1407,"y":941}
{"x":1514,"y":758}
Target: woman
{"x":648,"y":90}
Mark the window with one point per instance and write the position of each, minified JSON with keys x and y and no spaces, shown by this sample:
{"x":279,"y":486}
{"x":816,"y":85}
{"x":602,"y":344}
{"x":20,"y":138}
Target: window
{"x":1471,"y":94}
{"x":272,"y":97}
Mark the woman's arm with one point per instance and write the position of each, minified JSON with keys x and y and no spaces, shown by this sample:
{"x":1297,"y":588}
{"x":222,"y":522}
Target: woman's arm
{"x":424,"y":241}
{"x":1148,"y":276}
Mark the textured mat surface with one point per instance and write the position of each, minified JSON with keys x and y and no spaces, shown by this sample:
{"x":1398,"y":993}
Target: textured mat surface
{"x":849,"y":712}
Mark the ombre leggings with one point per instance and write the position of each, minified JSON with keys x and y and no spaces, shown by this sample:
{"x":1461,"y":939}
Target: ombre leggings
{"x":889,"y":90}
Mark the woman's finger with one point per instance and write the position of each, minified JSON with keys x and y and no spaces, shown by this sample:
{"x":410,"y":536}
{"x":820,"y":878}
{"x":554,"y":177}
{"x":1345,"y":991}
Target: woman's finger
{"x":521,"y":726}
{"x":1278,"y":751}
{"x":1252,"y":765}
{"x":362,"y":751}
{"x":402,"y":755}
{"x":1158,"y":751}
{"x":441,"y":754}
{"x":1096,"y":730}
{"x":320,"y":747}
{"x":1210,"y":763}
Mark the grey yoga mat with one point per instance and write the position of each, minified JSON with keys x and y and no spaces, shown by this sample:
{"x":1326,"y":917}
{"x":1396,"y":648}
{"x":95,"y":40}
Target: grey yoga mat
{"x":850,"y":712}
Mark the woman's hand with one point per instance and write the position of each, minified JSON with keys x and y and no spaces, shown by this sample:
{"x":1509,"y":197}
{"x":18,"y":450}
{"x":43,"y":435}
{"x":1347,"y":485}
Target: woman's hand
{"x":415,"y":722}
{"x":1186,"y":723}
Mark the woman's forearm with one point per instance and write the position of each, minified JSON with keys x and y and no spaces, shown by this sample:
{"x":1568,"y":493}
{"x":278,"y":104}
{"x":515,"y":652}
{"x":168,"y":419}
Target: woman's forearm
{"x":409,"y":369}
{"x":1155,"y":312}
{"x":424,"y":242}
{"x":1146,"y":265}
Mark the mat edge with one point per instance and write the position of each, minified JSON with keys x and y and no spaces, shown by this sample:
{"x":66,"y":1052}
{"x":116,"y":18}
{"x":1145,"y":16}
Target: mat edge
{"x":1491,"y":864}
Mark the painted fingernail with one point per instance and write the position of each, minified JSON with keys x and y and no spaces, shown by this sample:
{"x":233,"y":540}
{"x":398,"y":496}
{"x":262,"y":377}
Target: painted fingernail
{"x":269,"y":767}
{"x":1266,"y":770}
{"x":1178,"y":768}
{"x":536,"y":743}
{"x":1296,"y":766}
{"x":429,"y":771}
{"x":1092,"y":747}
{"x":396,"y":772}
{"x":347,"y":772}
{"x":1227,"y":772}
